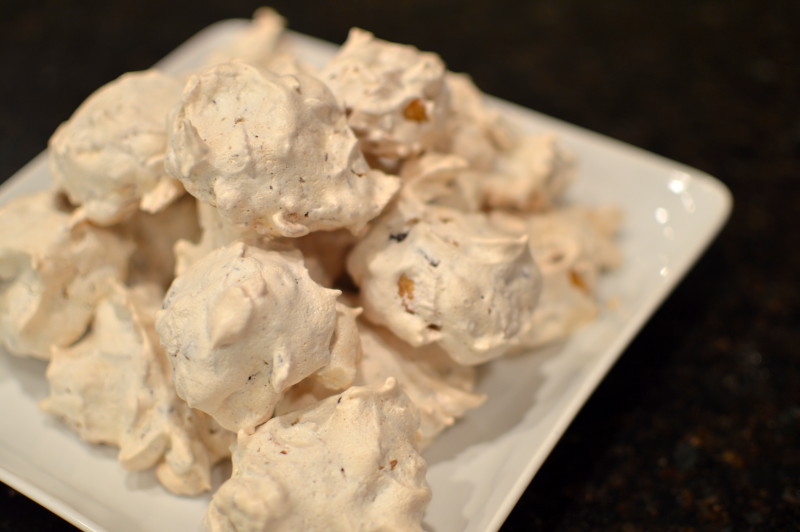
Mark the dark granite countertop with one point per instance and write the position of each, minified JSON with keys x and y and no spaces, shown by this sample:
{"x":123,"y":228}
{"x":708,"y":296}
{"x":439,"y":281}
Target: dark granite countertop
{"x":697,"y":427}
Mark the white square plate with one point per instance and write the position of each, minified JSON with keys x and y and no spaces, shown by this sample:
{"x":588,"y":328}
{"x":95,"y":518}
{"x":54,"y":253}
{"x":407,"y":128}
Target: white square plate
{"x":480,"y":467}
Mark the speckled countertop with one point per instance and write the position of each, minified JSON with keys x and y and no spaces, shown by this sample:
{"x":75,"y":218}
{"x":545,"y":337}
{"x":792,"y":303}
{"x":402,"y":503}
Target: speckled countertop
{"x":697,"y":427}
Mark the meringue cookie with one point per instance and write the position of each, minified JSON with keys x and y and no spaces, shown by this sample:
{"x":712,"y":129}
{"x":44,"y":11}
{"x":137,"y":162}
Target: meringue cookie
{"x":441,"y":389}
{"x":289,"y":192}
{"x":348,"y":464}
{"x":272,"y":153}
{"x":323,"y":251}
{"x":325,"y":254}
{"x":395,"y":95}
{"x":187,"y":466}
{"x":215,"y":232}
{"x":346,"y":352}
{"x":155,"y":236}
{"x":474,"y":131}
{"x":113,"y":387}
{"x":439,"y":275}
{"x":108,"y":157}
{"x":241,"y":326}
{"x":257,"y":43}
{"x":263,"y":44}
{"x":442,"y":179}
{"x":572,"y":246}
{"x":52,"y":273}
{"x":338,"y":375}
{"x":530,"y":177}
